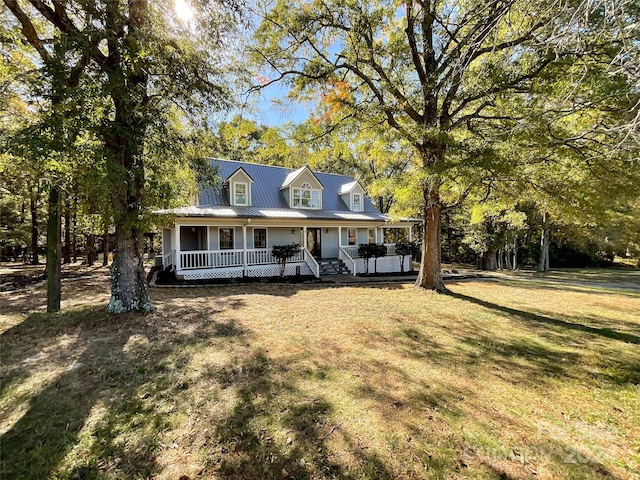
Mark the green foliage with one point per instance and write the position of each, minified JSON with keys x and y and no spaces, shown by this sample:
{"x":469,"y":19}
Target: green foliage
{"x":371,"y":250}
{"x":284,"y":253}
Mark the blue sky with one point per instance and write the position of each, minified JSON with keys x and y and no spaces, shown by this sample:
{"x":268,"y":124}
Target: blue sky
{"x":274,"y":108}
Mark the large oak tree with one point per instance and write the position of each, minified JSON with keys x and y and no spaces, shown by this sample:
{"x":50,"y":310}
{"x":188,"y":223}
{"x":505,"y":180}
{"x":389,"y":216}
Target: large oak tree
{"x":431,"y":70}
{"x":145,"y":63}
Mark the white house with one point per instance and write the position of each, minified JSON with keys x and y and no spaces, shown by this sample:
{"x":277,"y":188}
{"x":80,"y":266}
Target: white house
{"x":230,"y":231}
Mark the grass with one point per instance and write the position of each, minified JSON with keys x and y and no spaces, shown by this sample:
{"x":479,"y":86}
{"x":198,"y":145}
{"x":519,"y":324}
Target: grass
{"x":507,"y":378}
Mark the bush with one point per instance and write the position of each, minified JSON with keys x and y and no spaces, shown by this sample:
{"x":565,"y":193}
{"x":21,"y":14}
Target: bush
{"x":284,"y":253}
{"x":406,"y":248}
{"x":371,"y":250}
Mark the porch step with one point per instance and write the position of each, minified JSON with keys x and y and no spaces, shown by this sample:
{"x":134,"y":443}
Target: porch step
{"x":332,"y":266}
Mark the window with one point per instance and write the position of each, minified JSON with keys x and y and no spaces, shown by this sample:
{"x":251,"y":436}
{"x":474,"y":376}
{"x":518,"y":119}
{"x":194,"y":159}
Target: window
{"x":226,"y":239}
{"x":240,"y":196}
{"x":372,"y":235}
{"x":306,"y":197}
{"x":259,"y":238}
{"x":193,"y":238}
{"x":357,"y":202}
{"x":351,"y":236}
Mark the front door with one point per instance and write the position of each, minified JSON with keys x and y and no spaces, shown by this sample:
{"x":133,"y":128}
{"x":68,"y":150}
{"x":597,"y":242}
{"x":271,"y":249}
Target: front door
{"x":313,"y":242}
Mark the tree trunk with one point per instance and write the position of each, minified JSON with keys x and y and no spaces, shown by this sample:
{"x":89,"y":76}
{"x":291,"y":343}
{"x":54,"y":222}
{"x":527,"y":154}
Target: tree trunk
{"x":34,"y":230}
{"x":124,"y":140}
{"x":430,"y":274}
{"x":507,"y":258}
{"x":53,"y":250}
{"x":91,"y":249}
{"x":543,"y":264}
{"x":74,"y":240}
{"x":67,"y":234}
{"x":488,"y":261}
{"x":128,"y":279}
{"x":515,"y":253}
{"x":105,"y":247}
{"x":500,"y":257}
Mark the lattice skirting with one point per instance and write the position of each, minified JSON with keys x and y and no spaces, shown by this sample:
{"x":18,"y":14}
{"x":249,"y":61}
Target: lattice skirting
{"x":252,"y":271}
{"x":274,"y":270}
{"x":212,"y":273}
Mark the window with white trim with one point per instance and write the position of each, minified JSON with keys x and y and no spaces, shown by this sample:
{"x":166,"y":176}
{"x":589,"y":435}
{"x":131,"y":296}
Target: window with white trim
{"x":372,"y":235}
{"x":357,"y":202}
{"x":259,"y":238}
{"x":226,"y":239}
{"x":306,"y":197}
{"x":351,"y":236}
{"x":240,"y":193}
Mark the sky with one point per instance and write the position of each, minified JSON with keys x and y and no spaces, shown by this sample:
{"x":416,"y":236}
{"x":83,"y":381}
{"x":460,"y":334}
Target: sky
{"x":270,"y":105}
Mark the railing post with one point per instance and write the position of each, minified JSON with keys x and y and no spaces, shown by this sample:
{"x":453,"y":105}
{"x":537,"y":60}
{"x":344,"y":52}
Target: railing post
{"x":176,"y":238}
{"x":244,"y":250}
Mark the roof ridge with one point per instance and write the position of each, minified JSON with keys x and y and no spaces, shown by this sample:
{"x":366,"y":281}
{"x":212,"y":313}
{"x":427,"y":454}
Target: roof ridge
{"x":279,"y":166}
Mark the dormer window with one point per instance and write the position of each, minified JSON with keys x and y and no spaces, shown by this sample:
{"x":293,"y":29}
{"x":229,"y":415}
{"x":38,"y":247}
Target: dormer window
{"x":239,"y":185}
{"x":306,"y":197}
{"x":357,"y":202}
{"x":240,"y":194}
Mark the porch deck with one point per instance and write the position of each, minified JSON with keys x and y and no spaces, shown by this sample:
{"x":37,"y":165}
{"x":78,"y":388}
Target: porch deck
{"x":230,"y":263}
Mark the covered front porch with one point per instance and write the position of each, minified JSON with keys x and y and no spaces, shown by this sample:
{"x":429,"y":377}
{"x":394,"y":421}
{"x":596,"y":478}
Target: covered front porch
{"x":197,"y":249}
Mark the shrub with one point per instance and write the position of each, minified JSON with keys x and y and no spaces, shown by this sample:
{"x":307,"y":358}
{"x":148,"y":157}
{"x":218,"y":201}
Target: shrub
{"x":406,"y":248}
{"x":284,"y":253}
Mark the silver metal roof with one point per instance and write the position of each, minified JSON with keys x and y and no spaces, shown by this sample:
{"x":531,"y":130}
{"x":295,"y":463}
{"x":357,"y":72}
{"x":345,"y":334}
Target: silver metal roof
{"x":223,"y":211}
{"x":265,"y":190}
{"x":268,"y":200}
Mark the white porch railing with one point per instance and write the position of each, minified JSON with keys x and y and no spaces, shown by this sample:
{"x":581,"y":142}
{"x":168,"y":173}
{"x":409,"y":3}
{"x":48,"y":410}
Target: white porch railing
{"x":351,"y":250}
{"x":168,"y":259}
{"x":311,"y":262}
{"x":229,"y":258}
{"x":263,"y":257}
{"x":346,"y":258}
{"x":210,"y":259}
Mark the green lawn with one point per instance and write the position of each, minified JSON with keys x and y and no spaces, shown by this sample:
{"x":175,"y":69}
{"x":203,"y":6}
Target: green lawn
{"x":522,"y":378}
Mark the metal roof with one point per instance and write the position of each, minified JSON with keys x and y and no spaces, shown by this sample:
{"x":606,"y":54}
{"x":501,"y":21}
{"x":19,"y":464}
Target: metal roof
{"x":268,"y":179}
{"x":268,"y":200}
{"x":224,"y":211}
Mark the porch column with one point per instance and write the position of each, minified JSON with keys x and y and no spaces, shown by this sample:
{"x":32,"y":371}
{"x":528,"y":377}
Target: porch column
{"x":244,"y":250}
{"x":176,"y":235}
{"x":339,"y":237}
{"x":304,"y":237}
{"x":410,"y":234}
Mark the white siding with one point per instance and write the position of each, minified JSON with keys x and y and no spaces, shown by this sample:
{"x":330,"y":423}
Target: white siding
{"x":167,"y":235}
{"x":330,"y":243}
{"x":213,"y":238}
{"x":362,"y":236}
{"x":282,"y":236}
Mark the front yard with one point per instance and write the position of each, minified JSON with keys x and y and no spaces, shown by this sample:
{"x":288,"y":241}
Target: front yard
{"x":506,"y":378}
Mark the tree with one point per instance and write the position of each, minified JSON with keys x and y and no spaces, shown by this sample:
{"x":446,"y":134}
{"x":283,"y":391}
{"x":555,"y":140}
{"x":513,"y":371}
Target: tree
{"x":283,"y":253}
{"x":431,"y":71}
{"x":144,"y":61}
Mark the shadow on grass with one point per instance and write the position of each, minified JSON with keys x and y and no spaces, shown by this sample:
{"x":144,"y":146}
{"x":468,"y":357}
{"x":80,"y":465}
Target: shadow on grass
{"x":540,"y":319}
{"x":274,"y":431}
{"x":113,"y":371}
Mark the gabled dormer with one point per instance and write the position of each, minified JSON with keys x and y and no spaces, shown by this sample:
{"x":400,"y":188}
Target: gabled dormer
{"x":302,"y":189}
{"x":239,"y":186}
{"x":352,"y":195}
